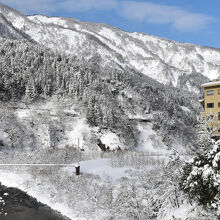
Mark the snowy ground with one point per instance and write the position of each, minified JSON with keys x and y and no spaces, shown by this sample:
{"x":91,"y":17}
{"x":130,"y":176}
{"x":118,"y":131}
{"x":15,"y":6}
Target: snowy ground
{"x":108,"y":179}
{"x":104,"y":185}
{"x":102,"y":168}
{"x":52,"y":185}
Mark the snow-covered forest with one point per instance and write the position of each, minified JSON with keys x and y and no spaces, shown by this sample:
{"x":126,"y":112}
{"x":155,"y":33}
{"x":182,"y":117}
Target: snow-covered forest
{"x":109,"y":99}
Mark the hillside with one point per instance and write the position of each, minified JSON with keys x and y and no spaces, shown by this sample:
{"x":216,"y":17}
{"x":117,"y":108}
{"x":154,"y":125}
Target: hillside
{"x":41,"y":84}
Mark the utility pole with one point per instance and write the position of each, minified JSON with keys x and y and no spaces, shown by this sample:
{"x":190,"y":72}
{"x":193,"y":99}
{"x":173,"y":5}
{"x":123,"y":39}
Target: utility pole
{"x":77,"y":165}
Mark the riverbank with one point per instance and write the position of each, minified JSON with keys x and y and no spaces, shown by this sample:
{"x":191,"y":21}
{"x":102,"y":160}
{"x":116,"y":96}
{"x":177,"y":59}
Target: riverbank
{"x":16,"y":204}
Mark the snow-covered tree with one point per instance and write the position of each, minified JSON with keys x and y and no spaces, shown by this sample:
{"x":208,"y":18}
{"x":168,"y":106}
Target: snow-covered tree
{"x":201,"y":176}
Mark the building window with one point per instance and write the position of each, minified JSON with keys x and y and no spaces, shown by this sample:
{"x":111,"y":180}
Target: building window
{"x":219,"y":104}
{"x":210,"y":92}
{"x":210,"y":105}
{"x":210,"y":117}
{"x":219,"y":91}
{"x":219,"y":116}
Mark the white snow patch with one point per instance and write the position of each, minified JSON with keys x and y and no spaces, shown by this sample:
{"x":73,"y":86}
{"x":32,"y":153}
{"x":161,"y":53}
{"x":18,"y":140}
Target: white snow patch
{"x":4,"y":137}
{"x":78,"y":132}
{"x":12,"y":179}
{"x":23,"y":113}
{"x":109,"y":34}
{"x":183,"y":212}
{"x":207,"y":171}
{"x":18,"y":21}
{"x":103,"y":168}
{"x":216,"y":160}
{"x":149,"y":140}
{"x":214,"y":83}
{"x":48,"y":20}
{"x":186,"y":109}
{"x":111,"y":140}
{"x":77,"y":26}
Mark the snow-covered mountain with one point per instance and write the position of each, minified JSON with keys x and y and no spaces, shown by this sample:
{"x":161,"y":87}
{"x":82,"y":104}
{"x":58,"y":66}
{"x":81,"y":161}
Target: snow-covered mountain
{"x":181,"y":65}
{"x":71,"y":91}
{"x":121,"y":84}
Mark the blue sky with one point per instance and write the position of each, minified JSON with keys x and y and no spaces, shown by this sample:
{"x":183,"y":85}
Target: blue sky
{"x":191,"y":21}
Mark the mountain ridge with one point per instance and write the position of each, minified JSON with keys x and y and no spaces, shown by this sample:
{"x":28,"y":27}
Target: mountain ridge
{"x":161,"y":59}
{"x":123,"y":30}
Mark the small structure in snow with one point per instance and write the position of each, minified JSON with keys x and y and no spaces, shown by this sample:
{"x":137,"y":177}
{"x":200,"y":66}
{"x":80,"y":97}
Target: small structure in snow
{"x":77,"y":170}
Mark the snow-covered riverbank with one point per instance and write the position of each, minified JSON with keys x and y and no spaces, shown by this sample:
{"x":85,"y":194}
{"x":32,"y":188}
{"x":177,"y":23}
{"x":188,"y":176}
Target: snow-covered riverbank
{"x":28,"y":184}
{"x":74,"y":196}
{"x":111,"y":185}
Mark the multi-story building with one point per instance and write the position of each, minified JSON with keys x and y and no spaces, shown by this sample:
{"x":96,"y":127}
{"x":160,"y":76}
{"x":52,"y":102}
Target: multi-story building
{"x":211,"y":105}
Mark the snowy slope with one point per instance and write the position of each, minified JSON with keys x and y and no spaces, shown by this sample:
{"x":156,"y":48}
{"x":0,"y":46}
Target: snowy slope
{"x":7,"y":30}
{"x":166,"y":61}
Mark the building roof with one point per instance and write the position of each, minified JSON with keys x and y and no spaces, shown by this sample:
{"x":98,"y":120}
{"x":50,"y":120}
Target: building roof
{"x":211,"y":84}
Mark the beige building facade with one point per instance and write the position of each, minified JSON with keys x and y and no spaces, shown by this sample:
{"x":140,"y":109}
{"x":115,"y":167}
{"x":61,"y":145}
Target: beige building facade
{"x":211,"y":105}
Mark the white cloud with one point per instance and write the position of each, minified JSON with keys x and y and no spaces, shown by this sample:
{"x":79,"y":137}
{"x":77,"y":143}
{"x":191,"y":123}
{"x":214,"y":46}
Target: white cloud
{"x":86,"y":5}
{"x":148,"y":12}
{"x":162,"y":14}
